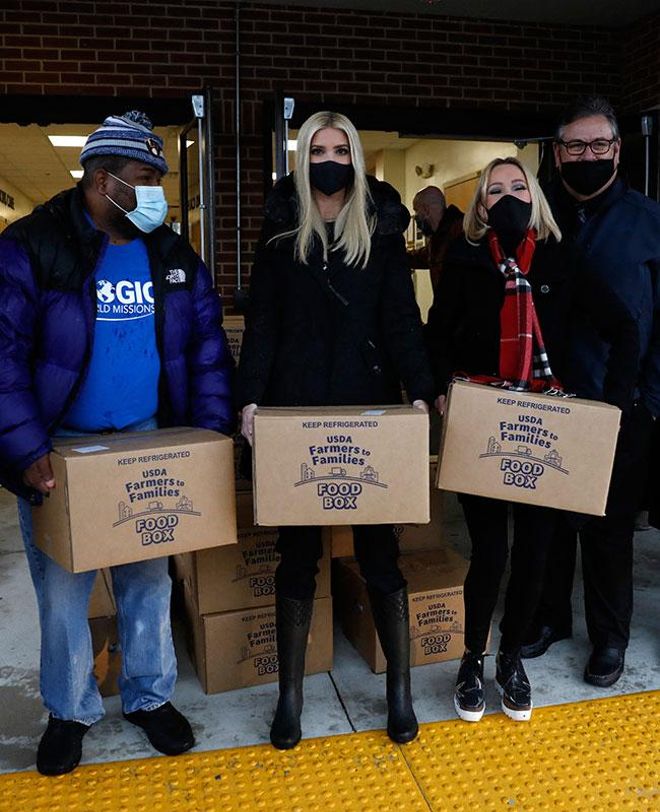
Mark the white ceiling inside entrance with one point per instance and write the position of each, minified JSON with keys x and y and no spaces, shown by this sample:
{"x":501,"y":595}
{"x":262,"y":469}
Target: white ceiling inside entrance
{"x":31,"y":164}
{"x":612,"y":13}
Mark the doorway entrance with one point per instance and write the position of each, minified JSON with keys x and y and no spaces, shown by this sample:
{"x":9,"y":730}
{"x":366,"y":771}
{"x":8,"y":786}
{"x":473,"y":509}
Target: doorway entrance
{"x":39,"y":158}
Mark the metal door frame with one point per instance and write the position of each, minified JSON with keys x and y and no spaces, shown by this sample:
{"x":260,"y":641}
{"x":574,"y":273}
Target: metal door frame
{"x":202,"y":125}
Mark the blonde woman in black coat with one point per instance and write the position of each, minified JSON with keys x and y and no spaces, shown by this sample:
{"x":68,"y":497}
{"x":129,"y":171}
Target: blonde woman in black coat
{"x":510,"y":235}
{"x":333,"y":321}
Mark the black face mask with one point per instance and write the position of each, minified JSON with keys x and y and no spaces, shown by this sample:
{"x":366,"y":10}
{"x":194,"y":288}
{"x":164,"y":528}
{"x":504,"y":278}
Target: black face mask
{"x":587,"y":177}
{"x":329,"y":176}
{"x":509,"y":219}
{"x":424,"y":226}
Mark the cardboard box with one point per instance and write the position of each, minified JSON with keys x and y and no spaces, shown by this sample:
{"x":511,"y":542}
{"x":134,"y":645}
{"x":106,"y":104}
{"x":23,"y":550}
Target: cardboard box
{"x":102,"y":599}
{"x":102,"y":615}
{"x":130,"y":497}
{"x":238,"y":649}
{"x":241,"y":575}
{"x":340,"y":465}
{"x":411,"y":536}
{"x":435,"y":599}
{"x":107,"y":654}
{"x":522,"y":447}
{"x":234,"y":327}
{"x":340,"y":538}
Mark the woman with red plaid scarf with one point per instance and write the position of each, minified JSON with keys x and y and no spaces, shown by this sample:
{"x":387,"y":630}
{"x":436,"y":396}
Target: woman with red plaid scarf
{"x":503,"y":298}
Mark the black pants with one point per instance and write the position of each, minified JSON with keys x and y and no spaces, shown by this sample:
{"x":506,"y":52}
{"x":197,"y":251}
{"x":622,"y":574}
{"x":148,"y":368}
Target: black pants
{"x":487,"y":521}
{"x":376,"y":551}
{"x":607,"y":551}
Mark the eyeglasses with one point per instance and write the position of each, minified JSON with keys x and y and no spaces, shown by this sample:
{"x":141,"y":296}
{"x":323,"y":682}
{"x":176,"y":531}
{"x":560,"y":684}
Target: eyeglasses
{"x":599,"y":147}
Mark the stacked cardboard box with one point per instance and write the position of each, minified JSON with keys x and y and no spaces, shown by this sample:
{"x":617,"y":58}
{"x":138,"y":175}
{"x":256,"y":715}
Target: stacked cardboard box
{"x":229,"y":595}
{"x":435,"y":598}
{"x":102,"y":615}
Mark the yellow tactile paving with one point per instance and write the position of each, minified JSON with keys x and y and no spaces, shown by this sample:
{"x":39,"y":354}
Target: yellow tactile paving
{"x":597,"y":756}
{"x":600,"y":756}
{"x":335,"y":774}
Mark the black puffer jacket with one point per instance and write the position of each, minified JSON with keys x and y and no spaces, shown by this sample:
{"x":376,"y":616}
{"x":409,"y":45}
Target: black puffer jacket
{"x":332,"y":334}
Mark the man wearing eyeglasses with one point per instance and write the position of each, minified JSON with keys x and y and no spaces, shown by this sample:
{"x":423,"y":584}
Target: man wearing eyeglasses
{"x":613,"y":355}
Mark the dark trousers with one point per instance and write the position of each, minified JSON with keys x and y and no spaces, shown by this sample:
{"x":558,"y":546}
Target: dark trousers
{"x":300,"y":548}
{"x":487,"y":521}
{"x":606,"y":544}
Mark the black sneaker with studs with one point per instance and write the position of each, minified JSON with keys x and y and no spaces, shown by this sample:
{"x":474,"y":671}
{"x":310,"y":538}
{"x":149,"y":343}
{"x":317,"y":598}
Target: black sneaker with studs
{"x":469,"y":694}
{"x":513,"y":685}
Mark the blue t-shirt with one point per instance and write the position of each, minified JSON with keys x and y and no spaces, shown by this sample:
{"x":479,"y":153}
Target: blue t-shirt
{"x":121,"y":386}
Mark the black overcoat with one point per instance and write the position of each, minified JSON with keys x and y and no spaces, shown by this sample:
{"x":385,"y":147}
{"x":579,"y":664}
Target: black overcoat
{"x":463,"y":330}
{"x":328,"y":333}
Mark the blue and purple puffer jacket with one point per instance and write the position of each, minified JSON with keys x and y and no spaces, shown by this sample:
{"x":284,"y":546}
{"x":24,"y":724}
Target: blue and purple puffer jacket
{"x":47,"y":314}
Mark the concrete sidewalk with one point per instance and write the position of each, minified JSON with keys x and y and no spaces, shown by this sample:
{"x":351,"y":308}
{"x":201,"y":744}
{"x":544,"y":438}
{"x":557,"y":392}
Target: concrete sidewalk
{"x":350,"y":698}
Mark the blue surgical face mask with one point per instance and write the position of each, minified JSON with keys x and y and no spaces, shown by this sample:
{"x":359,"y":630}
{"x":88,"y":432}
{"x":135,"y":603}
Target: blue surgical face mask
{"x":151,"y":206}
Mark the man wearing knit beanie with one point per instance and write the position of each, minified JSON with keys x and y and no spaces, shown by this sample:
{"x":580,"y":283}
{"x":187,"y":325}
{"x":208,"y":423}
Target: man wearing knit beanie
{"x":109,"y":323}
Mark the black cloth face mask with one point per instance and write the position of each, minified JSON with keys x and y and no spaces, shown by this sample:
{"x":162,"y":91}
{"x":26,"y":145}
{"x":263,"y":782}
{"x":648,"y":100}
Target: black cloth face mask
{"x":329,"y":176}
{"x":509,"y":219}
{"x":587,"y":177}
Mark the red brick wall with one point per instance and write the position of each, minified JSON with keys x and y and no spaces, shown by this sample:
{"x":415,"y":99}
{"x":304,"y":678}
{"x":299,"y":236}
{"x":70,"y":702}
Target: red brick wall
{"x":641,"y":65}
{"x":162,"y":49}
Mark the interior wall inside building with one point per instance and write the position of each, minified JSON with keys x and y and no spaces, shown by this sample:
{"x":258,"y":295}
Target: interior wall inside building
{"x":445,"y":163}
{"x":13,"y":203}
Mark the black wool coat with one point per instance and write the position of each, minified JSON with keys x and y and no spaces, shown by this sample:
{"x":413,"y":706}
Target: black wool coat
{"x":463,"y":330}
{"x":328,"y":333}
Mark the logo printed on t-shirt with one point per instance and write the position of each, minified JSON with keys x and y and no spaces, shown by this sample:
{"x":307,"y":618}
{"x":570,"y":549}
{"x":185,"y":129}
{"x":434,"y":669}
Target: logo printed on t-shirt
{"x":123,"y":300}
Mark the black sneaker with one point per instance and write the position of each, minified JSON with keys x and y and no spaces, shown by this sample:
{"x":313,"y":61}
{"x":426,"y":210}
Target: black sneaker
{"x":513,"y":685}
{"x":168,"y":730}
{"x":60,"y":748}
{"x":469,"y":694}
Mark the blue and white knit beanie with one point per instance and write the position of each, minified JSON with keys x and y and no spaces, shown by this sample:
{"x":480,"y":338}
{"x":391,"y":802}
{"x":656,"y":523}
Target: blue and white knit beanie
{"x":129,"y":136}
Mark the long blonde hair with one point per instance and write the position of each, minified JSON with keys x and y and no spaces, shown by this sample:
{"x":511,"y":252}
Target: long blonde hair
{"x":353,"y":226}
{"x":541,"y":218}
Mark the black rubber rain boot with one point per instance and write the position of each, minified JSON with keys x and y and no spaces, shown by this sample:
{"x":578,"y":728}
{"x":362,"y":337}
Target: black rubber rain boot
{"x":293,"y":618}
{"x":392,"y":624}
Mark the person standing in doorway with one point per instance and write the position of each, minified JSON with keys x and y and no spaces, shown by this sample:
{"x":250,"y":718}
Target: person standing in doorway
{"x":440,"y":224}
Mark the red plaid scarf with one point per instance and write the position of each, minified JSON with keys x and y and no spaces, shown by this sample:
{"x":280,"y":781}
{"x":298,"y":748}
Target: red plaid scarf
{"x":524,"y":364}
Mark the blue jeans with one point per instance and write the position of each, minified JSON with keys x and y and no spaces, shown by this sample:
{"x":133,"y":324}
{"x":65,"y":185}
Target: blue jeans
{"x":142,"y":593}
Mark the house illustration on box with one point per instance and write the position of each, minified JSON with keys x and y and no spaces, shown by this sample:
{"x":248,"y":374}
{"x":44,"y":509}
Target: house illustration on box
{"x":306,"y":472}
